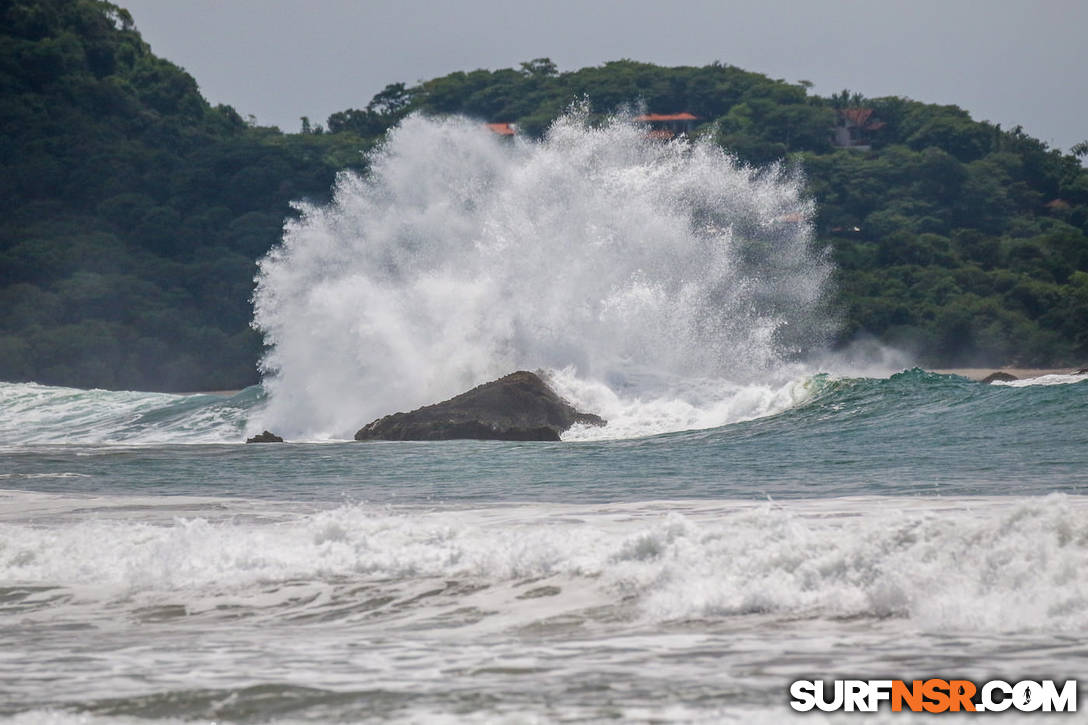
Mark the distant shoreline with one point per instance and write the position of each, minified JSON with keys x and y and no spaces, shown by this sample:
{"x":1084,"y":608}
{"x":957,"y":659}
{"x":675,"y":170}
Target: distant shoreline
{"x":1021,"y":373}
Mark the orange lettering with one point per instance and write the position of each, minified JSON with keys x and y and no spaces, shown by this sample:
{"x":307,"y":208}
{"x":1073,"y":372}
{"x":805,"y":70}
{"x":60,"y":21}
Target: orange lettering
{"x":936,"y":691}
{"x":911,"y":695}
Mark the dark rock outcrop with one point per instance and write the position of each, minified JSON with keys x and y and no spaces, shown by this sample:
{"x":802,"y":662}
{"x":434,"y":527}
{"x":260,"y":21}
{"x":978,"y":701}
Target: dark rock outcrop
{"x":998,"y":376}
{"x":266,"y":437}
{"x":1082,"y":371}
{"x":517,"y":407}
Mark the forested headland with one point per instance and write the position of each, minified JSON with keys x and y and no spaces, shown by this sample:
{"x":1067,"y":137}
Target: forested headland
{"x":132,"y":212}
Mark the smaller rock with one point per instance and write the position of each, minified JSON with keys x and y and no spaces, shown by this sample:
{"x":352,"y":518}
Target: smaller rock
{"x":998,"y":376}
{"x":266,"y":437}
{"x":1082,"y":371}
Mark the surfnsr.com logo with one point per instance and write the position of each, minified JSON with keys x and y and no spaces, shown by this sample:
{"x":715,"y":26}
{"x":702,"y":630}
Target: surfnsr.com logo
{"x":934,"y":695}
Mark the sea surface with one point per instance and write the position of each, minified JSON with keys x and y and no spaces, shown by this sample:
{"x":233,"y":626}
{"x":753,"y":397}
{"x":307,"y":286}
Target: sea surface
{"x":153,"y":568}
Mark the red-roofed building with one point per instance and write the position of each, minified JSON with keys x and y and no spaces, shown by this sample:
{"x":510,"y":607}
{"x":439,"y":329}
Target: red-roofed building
{"x":502,"y":129}
{"x":667,"y":125}
{"x":854,"y":127}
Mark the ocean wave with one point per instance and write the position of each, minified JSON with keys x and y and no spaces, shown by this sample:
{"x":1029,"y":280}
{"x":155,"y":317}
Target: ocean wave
{"x":965,"y":565}
{"x":41,"y":414}
{"x":635,"y":405}
{"x":33,"y":414}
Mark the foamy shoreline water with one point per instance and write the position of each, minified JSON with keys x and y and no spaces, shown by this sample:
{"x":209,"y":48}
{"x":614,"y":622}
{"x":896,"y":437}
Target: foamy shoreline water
{"x":733,"y":558}
{"x":175,"y":608}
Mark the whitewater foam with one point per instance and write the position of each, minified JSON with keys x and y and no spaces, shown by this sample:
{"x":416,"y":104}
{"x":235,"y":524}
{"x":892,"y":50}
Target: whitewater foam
{"x":691,"y":404}
{"x":596,"y":250}
{"x":986,"y":565}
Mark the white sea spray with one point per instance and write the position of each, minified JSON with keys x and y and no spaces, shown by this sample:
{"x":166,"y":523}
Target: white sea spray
{"x":665,"y":272}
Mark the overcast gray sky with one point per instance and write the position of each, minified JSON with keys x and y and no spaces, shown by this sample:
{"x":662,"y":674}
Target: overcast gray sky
{"x":1007,"y":61}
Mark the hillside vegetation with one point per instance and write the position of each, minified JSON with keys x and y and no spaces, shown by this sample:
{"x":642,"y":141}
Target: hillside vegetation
{"x":133,"y":211}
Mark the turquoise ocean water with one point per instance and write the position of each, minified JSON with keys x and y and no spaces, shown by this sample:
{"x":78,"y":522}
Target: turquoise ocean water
{"x":153,"y":568}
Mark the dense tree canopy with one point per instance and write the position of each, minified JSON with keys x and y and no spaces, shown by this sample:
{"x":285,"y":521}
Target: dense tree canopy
{"x":132,"y":211}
